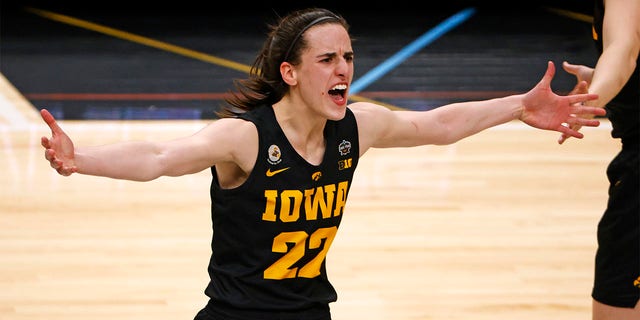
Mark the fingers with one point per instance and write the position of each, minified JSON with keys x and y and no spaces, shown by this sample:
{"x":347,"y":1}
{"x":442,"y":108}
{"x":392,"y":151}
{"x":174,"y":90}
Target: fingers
{"x":44,"y":141}
{"x":583,"y":97}
{"x":566,"y":131}
{"x":548,"y":75}
{"x":50,"y":155}
{"x":581,"y":88}
{"x":569,"y":68}
{"x":47,"y":116}
{"x":49,"y":152}
{"x":57,"y":164}
{"x":562,"y":138}
{"x":50,"y":121}
{"x":62,"y":170}
{"x":66,"y":171}
{"x":573,"y":125}
{"x":551,"y":69}
{"x":585,"y":110}
{"x":576,"y":123}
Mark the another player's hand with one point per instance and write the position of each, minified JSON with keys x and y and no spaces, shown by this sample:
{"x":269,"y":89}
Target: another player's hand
{"x":581,"y":72}
{"x":583,"y":76}
{"x":59,"y":150}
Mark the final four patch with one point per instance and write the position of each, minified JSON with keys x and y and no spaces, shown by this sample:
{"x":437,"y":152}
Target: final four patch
{"x":344,"y":148}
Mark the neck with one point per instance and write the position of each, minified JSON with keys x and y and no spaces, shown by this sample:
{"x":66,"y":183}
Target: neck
{"x":304,"y":132}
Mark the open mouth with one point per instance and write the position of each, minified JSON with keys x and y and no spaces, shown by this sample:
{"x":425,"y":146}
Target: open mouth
{"x":338,"y":91}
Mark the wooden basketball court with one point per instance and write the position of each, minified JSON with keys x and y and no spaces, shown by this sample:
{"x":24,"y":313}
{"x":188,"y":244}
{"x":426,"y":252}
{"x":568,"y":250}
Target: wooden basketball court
{"x":499,"y":226}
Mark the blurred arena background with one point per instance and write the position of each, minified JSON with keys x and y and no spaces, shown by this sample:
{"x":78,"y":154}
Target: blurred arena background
{"x":176,"y":60}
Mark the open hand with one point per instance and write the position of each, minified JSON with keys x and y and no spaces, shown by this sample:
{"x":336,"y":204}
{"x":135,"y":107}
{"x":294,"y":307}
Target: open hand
{"x":583,"y":76}
{"x":544,"y":109}
{"x":59,"y":150}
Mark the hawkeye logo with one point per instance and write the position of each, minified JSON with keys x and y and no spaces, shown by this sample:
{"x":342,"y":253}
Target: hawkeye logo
{"x":273,"y":173}
{"x":275,"y":156}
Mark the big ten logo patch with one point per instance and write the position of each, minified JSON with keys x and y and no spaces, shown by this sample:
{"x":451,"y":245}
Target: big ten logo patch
{"x":345,"y":164}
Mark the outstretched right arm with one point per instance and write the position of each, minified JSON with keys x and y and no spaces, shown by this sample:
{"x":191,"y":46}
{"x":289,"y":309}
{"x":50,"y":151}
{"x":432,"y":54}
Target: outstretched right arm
{"x":148,"y":160}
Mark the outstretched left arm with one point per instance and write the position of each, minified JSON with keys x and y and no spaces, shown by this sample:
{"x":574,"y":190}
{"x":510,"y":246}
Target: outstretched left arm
{"x":540,"y":108}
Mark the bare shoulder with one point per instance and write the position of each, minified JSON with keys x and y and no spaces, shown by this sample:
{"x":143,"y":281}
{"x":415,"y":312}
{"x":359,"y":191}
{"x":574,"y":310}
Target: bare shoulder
{"x":373,"y":120}
{"x":230,"y":140}
{"x":368,"y":111}
{"x":230,"y":128}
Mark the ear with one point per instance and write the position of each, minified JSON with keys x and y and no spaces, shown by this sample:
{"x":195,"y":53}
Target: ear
{"x":288,"y":73}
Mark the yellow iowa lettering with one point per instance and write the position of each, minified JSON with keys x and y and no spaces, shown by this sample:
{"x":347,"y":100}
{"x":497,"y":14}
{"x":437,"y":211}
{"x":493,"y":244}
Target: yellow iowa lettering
{"x":322,"y":202}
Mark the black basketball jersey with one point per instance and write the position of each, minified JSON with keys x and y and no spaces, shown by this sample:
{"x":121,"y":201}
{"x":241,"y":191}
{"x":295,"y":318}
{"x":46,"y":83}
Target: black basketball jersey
{"x":271,"y":235}
{"x":624,"y":108}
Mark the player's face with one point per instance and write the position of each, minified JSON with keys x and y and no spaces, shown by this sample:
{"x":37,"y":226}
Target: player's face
{"x":326,"y":71}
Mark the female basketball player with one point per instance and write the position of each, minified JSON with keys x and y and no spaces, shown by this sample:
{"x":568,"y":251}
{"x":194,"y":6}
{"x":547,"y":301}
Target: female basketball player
{"x":282,"y":157}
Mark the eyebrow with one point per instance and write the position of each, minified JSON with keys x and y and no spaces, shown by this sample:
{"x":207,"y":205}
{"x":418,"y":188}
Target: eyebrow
{"x":334,"y":54}
{"x":327,"y":55}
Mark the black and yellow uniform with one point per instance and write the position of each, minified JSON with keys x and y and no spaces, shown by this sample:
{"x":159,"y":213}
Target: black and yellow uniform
{"x":617,"y":264}
{"x":271,"y":235}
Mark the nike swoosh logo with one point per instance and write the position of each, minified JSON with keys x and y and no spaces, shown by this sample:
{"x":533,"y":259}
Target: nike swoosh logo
{"x":273,"y":173}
